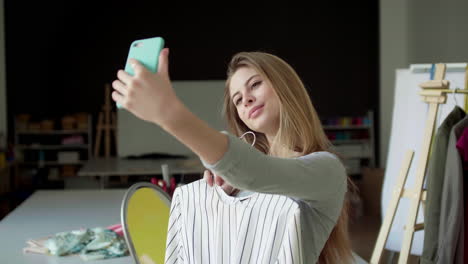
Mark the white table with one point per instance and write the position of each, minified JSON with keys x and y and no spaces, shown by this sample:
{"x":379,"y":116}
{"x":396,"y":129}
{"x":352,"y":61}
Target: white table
{"x":48,"y":212}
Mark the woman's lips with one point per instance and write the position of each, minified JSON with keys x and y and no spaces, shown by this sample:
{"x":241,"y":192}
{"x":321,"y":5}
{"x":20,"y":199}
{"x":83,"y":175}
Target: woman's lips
{"x":256,"y":112}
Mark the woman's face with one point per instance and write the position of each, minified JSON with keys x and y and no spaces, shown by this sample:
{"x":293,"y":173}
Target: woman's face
{"x":255,"y":100}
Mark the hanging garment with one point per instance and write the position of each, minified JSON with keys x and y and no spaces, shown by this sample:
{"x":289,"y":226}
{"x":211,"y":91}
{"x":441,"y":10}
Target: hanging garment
{"x":451,"y":228}
{"x":434,"y":182}
{"x":288,"y":217}
{"x":208,"y":226}
{"x":462,"y":146}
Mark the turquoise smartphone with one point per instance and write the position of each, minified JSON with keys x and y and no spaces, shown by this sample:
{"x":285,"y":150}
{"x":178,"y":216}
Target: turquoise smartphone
{"x":146,"y":51}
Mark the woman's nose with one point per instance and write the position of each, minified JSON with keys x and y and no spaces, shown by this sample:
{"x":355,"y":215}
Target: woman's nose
{"x":249,"y":100}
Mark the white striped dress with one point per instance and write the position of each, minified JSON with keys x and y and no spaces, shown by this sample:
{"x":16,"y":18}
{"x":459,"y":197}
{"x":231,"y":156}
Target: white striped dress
{"x":287,"y":218}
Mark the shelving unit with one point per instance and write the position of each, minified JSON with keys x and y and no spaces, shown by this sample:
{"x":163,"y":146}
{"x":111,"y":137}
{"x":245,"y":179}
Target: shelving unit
{"x":353,"y":138}
{"x":46,"y":158}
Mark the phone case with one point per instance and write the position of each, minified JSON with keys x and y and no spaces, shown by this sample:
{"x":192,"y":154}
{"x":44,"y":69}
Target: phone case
{"x":146,"y":51}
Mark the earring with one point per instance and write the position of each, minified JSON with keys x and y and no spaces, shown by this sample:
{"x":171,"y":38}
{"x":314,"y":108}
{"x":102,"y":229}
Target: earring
{"x":250,"y":132}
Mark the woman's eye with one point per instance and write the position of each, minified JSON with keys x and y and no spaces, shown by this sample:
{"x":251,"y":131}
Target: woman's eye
{"x":256,"y":83}
{"x":237,"y":101}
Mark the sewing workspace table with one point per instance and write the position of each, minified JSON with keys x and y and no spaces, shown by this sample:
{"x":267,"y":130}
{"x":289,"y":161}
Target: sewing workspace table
{"x":47,"y":212}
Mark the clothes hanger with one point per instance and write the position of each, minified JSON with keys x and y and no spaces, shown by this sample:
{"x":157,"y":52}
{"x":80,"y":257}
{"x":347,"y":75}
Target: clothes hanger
{"x":250,"y":132}
{"x":455,"y":96}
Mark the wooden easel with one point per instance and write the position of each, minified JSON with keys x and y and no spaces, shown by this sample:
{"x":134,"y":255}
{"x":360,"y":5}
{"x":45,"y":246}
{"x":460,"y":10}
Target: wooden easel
{"x":107,"y":122}
{"x":434,"y":93}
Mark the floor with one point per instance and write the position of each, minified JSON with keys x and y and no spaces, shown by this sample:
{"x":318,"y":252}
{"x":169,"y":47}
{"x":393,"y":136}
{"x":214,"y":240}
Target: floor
{"x":364,"y":231}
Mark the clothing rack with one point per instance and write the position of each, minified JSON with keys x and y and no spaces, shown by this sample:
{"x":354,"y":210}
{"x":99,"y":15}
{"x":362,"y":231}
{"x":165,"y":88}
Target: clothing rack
{"x":434,"y":92}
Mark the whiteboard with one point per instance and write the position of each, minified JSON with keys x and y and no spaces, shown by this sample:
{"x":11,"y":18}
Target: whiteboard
{"x":137,"y":137}
{"x":408,"y":124}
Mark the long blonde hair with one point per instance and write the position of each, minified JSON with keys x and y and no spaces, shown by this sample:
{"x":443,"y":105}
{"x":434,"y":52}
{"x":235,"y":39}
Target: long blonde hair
{"x":299,"y":130}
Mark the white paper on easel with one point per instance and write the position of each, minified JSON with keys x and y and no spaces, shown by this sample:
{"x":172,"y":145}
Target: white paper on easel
{"x":408,"y":124}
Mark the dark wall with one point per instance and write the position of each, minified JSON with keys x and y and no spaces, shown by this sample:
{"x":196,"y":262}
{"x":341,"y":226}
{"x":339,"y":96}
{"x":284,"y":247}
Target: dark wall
{"x":60,"y":55}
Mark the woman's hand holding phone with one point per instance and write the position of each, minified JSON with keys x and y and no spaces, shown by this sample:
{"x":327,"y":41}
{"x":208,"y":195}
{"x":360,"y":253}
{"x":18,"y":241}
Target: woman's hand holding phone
{"x":147,"y":95}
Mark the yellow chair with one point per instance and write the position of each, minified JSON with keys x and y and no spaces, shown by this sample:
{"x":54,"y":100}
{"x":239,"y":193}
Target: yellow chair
{"x":145,"y":216}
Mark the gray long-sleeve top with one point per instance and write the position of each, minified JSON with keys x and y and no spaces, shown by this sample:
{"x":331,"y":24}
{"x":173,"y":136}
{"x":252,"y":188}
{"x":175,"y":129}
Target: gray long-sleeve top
{"x":317,"y":182}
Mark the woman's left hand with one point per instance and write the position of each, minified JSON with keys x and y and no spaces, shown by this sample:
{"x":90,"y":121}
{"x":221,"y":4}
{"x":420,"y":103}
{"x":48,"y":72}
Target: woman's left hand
{"x":212,"y":179}
{"x":147,"y":95}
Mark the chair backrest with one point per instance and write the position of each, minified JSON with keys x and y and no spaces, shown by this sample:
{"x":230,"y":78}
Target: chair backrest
{"x":145,"y":216}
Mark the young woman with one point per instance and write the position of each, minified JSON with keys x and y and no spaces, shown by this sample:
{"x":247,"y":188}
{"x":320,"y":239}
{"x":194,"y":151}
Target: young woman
{"x":291,"y":155}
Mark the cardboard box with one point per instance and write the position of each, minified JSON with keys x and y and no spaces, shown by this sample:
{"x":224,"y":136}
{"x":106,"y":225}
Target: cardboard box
{"x":65,"y":157}
{"x":371,"y":190}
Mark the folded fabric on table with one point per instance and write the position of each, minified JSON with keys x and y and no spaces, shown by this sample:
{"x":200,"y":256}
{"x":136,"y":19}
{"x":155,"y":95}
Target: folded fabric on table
{"x":91,"y":244}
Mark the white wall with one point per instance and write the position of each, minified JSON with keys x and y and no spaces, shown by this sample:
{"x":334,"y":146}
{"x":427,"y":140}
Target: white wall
{"x":416,"y":31}
{"x":137,"y":137}
{"x":438,"y":31}
{"x":393,"y":55}
{"x":3,"y":116}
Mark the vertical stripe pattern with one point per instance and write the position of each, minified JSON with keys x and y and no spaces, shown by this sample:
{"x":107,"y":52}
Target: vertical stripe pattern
{"x":207,"y":227}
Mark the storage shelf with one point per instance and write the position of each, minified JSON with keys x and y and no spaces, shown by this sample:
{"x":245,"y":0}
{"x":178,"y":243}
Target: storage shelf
{"x":354,"y":140}
{"x":338,"y":127}
{"x":46,"y":151}
{"x":348,"y":141}
{"x":363,"y":156}
{"x":52,"y":132}
{"x":52,"y":163}
{"x":53,"y":147}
